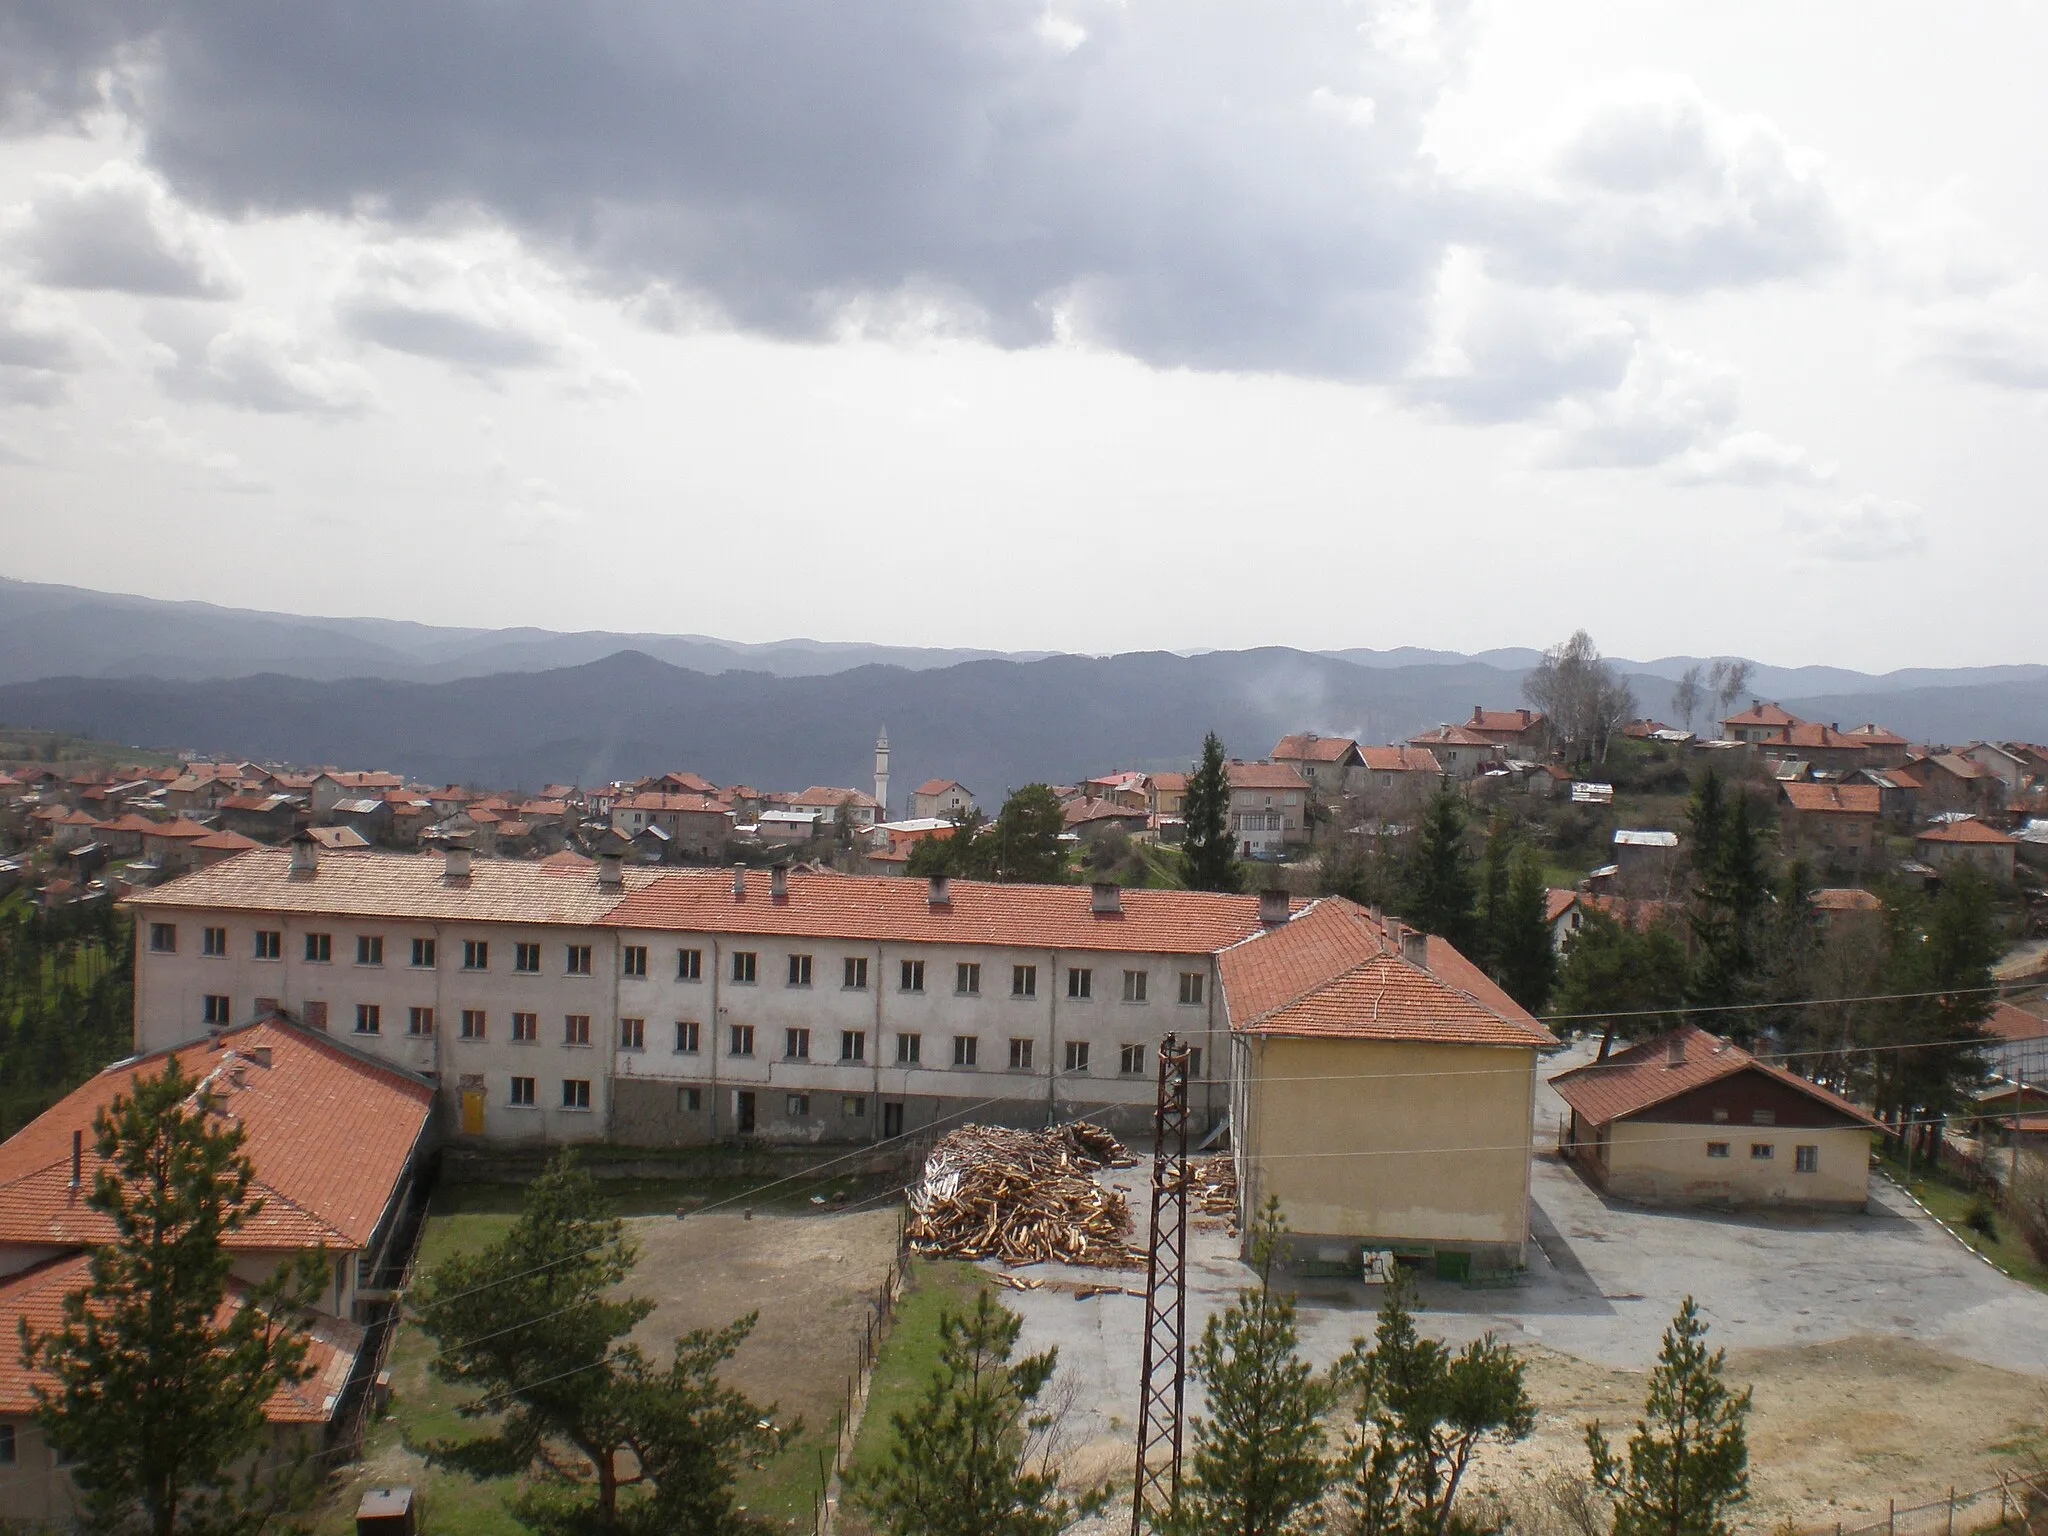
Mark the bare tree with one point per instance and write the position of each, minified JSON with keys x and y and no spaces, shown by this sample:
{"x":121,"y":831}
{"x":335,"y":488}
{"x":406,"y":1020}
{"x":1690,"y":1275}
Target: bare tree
{"x":1583,"y":697}
{"x":1686,"y":697}
{"x":1727,"y":680}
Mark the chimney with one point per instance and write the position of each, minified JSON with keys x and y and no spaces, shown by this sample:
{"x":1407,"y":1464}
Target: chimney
{"x":77,"y":1158}
{"x":778,"y":882}
{"x":1105,"y":898}
{"x":305,"y":853}
{"x":611,"y":868}
{"x":739,"y":879}
{"x":260,"y":1054}
{"x":1415,"y":948}
{"x":457,"y":865}
{"x":1273,"y":909}
{"x":1674,"y":1051}
{"x":940,"y":892}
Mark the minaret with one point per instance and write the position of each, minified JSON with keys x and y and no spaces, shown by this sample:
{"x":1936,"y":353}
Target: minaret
{"x":882,"y":774}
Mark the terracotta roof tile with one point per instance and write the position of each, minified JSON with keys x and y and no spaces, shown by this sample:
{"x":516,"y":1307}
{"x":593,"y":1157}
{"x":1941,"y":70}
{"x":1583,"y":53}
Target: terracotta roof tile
{"x":939,"y":787}
{"x":1845,"y":898}
{"x":1642,"y":1077}
{"x":1763,"y":714}
{"x":1836,"y":799}
{"x":1516,"y":720}
{"x":1310,"y":748}
{"x":1970,"y":831}
{"x":1265,"y":776}
{"x":649,"y":801}
{"x":1871,"y":734}
{"x":1401,"y":760}
{"x":1450,"y":736}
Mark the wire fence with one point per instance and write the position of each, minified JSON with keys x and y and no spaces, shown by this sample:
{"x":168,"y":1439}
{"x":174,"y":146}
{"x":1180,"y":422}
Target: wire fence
{"x":2013,"y":1497}
{"x":832,"y":1465}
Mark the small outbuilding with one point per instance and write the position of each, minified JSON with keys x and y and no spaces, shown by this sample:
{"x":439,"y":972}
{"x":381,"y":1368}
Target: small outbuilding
{"x":1692,"y":1119}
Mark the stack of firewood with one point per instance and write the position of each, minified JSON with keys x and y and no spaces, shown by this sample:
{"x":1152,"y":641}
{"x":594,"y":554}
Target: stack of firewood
{"x":1024,"y":1197}
{"x":1214,"y":1184}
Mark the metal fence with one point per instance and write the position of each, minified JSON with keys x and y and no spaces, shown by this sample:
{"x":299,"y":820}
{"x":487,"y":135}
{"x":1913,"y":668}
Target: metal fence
{"x":847,"y":1422}
{"x":1997,"y":1505}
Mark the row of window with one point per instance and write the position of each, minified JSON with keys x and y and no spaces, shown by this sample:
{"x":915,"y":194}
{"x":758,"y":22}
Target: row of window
{"x":524,"y":1093}
{"x":1804,"y":1159}
{"x":527,"y":960}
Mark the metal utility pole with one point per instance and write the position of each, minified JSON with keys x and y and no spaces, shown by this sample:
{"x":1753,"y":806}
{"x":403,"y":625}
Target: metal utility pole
{"x":1162,"y":1385}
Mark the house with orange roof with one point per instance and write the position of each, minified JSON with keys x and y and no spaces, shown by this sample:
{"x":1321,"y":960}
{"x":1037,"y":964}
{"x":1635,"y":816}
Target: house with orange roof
{"x":1398,"y":777}
{"x":939,"y":798}
{"x":1847,"y":909}
{"x":1460,"y":752}
{"x":1832,"y":826}
{"x":1950,"y":782}
{"x":1268,"y":808}
{"x":1821,"y":746}
{"x":1382,"y":1091}
{"x":335,"y":785}
{"x":1522,"y":733}
{"x":1968,"y":841}
{"x":1759,"y":723}
{"x":832,"y":804}
{"x":1882,"y":748}
{"x":1166,"y":794}
{"x":1330,"y":764}
{"x":1692,"y":1119}
{"x":691,"y":825}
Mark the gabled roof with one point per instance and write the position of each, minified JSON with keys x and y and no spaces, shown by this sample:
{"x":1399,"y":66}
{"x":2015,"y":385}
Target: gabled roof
{"x":827,"y":794}
{"x":329,"y":1133}
{"x":1512,"y":720}
{"x":1871,"y":734}
{"x":2011,"y":1023}
{"x":1400,"y":760}
{"x":1967,"y":830}
{"x":1643,"y":1077}
{"x":1334,"y":972}
{"x":338,"y":839}
{"x":1264,"y":776}
{"x":1808,"y":735}
{"x":1170,"y":783}
{"x":1451,"y":736}
{"x":1557,"y":901}
{"x":940,"y":786}
{"x":230,"y":842}
{"x":1844,"y":898}
{"x":371,"y":779}
{"x":1079,"y":812}
{"x":1953,"y":763}
{"x":702,"y":805}
{"x":1761,"y":714}
{"x":1842,"y":799}
{"x":180,"y":830}
{"x":1308,"y":747}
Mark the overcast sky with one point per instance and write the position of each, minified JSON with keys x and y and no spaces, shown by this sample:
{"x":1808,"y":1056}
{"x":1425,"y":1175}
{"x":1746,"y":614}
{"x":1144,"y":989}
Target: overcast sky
{"x":1713,"y":328}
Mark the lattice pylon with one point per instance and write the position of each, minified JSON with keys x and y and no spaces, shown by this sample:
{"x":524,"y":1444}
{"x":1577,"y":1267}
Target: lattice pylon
{"x":1163,"y":1380}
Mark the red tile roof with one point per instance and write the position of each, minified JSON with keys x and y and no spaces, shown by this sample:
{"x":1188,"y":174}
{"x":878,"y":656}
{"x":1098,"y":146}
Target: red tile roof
{"x":1170,"y":783}
{"x":1401,"y":760}
{"x":1642,"y":1077}
{"x":371,"y":779}
{"x":231,"y":842}
{"x":1307,"y":747}
{"x":698,"y":804}
{"x":1970,"y":831}
{"x":1951,"y":763}
{"x":329,"y":1133}
{"x":1808,"y":735}
{"x":1450,"y":736}
{"x":1334,"y":972}
{"x":1873,"y":735}
{"x":1832,"y":799}
{"x":1841,"y":898}
{"x":938,"y":787}
{"x":1080,"y":812}
{"x":1265,"y":776}
{"x":1763,"y":715}
{"x":2008,"y":1022}
{"x":180,"y":830}
{"x":900,"y":911}
{"x":689,"y":783}
{"x":1514,"y":720}
{"x":1558,"y":901}
{"x":827,"y":794}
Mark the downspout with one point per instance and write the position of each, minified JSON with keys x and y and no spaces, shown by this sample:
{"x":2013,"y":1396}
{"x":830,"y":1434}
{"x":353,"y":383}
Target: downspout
{"x":1052,"y":1036}
{"x":710,"y":1047}
{"x":875,"y":1061}
{"x":611,"y":1087}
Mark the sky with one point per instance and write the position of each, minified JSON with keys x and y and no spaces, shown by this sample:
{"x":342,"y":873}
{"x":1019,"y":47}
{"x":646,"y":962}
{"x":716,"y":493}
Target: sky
{"x":1041,"y":324}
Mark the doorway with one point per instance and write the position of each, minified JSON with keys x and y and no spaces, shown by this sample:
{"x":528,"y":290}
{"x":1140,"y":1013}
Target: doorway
{"x":892,"y":1118}
{"x":743,"y":1111}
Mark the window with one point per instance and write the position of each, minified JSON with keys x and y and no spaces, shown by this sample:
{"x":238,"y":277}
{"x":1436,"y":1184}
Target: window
{"x":744,"y":962}
{"x":213,"y":941}
{"x":525,"y":1028}
{"x":474,"y":1025}
{"x":1763,"y":1117}
{"x":799,"y":1106}
{"x":853,"y":1107}
{"x":269,"y":944}
{"x":1194,"y":1063}
{"x":1134,"y":986}
{"x":526,"y":959}
{"x":424,"y":954}
{"x":796,"y":1044}
{"x":1130,"y":1060}
{"x":913,"y":976}
{"x":689,"y":965}
{"x":419,"y":1021}
{"x":320,"y":947}
{"x":909,"y":1049}
{"x":633,"y":960}
{"x":1191,"y":987}
{"x":1720,"y":1117}
{"x":740,"y":1040}
{"x":856,"y":973}
{"x":1023,"y":981}
{"x":690,"y":1100}
{"x":575,"y":1093}
{"x":576,"y":1029}
{"x":369,"y":949}
{"x":1080,"y":982}
{"x":965,"y":1049}
{"x":216,"y":1009}
{"x":1077,"y":1055}
{"x":799,"y":970}
{"x":476,"y":954}
{"x":1806,"y":1159}
{"x":577,"y":960}
{"x":632,"y":1034}
{"x":853,"y":1045}
{"x":163,"y":938}
{"x":369,"y":1019}
{"x":1020,"y":1055}
{"x":522,"y":1093}
{"x":967,"y":979}
{"x":688,"y":1037}
{"x":1717,"y":1149}
{"x":1762,"y":1151}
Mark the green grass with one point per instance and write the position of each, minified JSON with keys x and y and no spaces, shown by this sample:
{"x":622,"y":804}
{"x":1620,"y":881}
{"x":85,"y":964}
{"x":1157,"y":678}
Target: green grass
{"x":1950,"y":1201}
{"x":910,"y":1352}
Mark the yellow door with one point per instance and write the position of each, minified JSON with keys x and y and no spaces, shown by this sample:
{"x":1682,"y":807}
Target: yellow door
{"x":472,"y":1112}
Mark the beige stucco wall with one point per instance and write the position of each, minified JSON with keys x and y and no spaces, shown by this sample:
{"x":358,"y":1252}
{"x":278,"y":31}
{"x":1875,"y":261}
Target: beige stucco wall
{"x":1389,"y":1142}
{"x":1649,"y":1160}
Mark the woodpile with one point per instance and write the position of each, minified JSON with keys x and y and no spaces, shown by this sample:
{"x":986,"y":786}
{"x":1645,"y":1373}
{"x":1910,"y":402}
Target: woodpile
{"x":1024,"y":1197}
{"x":1213,"y":1182}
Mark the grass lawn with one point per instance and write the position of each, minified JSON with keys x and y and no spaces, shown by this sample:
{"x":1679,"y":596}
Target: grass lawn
{"x":1951,"y":1202}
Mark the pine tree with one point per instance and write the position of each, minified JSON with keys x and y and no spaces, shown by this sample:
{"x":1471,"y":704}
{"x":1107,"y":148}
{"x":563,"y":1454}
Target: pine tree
{"x":160,"y":1390}
{"x":1208,"y":852}
{"x":966,"y":1461}
{"x":1688,"y":1461}
{"x":1525,"y":955}
{"x":1731,"y":890}
{"x":1611,"y":968}
{"x":1257,"y":1464}
{"x":1496,"y":876}
{"x":1441,"y":894}
{"x":1025,"y":841}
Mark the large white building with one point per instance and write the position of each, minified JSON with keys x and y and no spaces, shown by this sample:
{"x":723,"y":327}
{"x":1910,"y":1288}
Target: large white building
{"x":564,"y":1004}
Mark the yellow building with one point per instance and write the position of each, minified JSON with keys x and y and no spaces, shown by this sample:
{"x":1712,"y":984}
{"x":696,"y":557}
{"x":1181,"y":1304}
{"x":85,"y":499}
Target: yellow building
{"x":1692,"y":1119}
{"x":1383,"y":1090}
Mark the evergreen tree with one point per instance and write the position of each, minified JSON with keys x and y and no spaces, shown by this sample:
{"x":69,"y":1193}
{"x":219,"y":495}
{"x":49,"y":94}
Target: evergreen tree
{"x":1525,"y":956}
{"x":1614,"y":975}
{"x":1422,"y":1413}
{"x":1208,"y":851}
{"x":1730,"y":892}
{"x":966,"y":1460}
{"x":1024,"y":846}
{"x":1257,"y":1464}
{"x":1939,"y":960}
{"x":1441,"y":894}
{"x":1496,"y":876}
{"x":966,"y":852}
{"x":1688,"y":1461}
{"x":159,"y":1395}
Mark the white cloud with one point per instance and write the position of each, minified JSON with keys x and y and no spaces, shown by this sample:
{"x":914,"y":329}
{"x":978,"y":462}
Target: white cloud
{"x":473,"y":306}
{"x":1999,"y":338}
{"x":1668,"y":403}
{"x":118,"y":229}
{"x":1750,"y":459}
{"x":260,"y":364}
{"x":1862,"y":528}
{"x":42,"y":343}
{"x":200,"y":463}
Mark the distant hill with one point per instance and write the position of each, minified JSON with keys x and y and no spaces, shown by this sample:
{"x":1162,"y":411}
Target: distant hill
{"x":991,"y":723}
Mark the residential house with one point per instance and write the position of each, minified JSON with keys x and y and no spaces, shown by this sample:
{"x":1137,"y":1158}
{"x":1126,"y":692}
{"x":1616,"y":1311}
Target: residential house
{"x":332,"y":786}
{"x":266,"y":816}
{"x":1268,"y":808}
{"x":451,"y":800}
{"x":1881,"y":748}
{"x":682,"y":783}
{"x":1125,"y":788}
{"x":369,"y":815}
{"x":2019,"y":1053}
{"x":1459,"y":752}
{"x":122,"y":837}
{"x":1398,"y":776}
{"x":1563,"y":911}
{"x":1692,"y":1119}
{"x":348,"y":839}
{"x":833,"y":805}
{"x":1758,"y":724}
{"x":1166,"y":794}
{"x":1381,"y":1090}
{"x":1968,"y":841}
{"x":1645,"y":860}
{"x":939,"y":799}
{"x":215,"y":846}
{"x":1331,"y":765}
{"x":1090,"y":818}
{"x":1831,"y":826}
{"x":1520,"y":733}
{"x":1898,"y":790}
{"x":786,"y":825}
{"x":1848,"y":909}
{"x":1823,"y":747}
{"x":1951,"y":782}
{"x":2008,"y":764}
{"x":201,"y":792}
{"x":695,"y":825}
{"x":170,"y":846}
